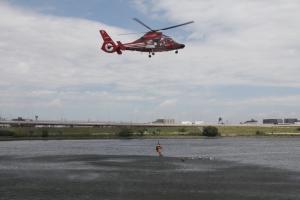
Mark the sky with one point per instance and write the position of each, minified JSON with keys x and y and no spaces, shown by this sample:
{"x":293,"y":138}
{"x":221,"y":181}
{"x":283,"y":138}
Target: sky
{"x":241,"y":60}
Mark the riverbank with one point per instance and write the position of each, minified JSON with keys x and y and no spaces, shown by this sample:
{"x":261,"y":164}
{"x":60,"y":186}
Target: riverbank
{"x":31,"y":133}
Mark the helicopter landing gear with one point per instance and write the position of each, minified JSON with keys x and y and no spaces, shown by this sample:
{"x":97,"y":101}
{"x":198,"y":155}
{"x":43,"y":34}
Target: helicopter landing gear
{"x":151,"y":54}
{"x":176,"y":51}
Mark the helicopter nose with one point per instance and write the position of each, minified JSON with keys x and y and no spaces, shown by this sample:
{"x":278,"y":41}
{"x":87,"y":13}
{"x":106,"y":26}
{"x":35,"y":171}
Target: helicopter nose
{"x":182,"y":46}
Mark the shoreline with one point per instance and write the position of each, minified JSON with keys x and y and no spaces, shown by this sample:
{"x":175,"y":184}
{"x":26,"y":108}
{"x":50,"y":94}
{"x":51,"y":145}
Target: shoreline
{"x":133,"y":132}
{"x":144,"y":137}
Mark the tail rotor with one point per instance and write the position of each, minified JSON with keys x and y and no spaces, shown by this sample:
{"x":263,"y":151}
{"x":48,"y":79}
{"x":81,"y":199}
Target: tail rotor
{"x":109,"y":46}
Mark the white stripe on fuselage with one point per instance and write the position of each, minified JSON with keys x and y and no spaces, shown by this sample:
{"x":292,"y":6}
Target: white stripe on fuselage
{"x":134,"y":44}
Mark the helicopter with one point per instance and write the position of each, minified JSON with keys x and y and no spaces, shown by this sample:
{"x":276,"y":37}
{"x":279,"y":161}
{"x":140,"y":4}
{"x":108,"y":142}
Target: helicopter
{"x":152,"y":41}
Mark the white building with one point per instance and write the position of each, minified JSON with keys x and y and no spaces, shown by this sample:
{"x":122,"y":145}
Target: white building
{"x":186,"y":123}
{"x":199,"y":122}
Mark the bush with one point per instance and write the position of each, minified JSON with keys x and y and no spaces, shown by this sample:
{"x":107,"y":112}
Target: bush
{"x":260,"y":132}
{"x":210,"y":131}
{"x":125,"y":132}
{"x":155,"y":132}
{"x":45,"y":133}
{"x":4,"y":132}
{"x":196,"y":132}
{"x":30,"y":133}
{"x":182,"y":130}
{"x":142,"y":132}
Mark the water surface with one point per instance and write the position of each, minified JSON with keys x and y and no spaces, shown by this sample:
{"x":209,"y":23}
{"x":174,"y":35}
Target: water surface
{"x":278,"y":152}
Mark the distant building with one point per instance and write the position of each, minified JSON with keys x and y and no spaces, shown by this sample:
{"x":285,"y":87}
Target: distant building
{"x":4,"y":125}
{"x":272,"y":121}
{"x":21,"y":119}
{"x":186,"y":123}
{"x":164,"y":121}
{"x":251,"y":121}
{"x":198,"y":122}
{"x":290,"y":120}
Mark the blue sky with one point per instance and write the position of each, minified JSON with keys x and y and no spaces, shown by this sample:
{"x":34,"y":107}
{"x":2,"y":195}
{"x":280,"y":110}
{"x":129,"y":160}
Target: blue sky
{"x":110,"y":12}
{"x":116,"y":13}
{"x":241,"y":61}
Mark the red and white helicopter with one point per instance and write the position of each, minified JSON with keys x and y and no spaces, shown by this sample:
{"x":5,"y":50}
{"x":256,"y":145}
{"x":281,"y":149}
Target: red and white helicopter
{"x":153,"y":41}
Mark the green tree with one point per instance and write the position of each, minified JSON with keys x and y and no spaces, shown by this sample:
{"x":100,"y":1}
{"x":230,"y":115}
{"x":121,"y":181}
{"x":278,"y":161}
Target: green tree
{"x":125,"y":132}
{"x":210,"y":131}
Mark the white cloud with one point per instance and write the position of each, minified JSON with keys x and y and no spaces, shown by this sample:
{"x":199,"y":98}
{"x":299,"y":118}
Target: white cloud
{"x":168,"y":103}
{"x":288,"y":101}
{"x":55,"y":103}
{"x":234,"y":42}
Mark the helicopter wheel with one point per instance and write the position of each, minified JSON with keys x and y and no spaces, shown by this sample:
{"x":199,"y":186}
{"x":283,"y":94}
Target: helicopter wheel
{"x":149,"y":55}
{"x":153,"y":53}
{"x":176,"y":52}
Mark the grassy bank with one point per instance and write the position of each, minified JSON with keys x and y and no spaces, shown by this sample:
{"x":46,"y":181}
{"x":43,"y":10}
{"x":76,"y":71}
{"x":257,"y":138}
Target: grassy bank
{"x":102,"y":132}
{"x":258,"y":130}
{"x":137,"y":132}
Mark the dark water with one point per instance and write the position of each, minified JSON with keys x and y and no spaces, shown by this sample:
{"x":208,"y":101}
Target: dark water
{"x":281,"y":152}
{"x":214,"y":169}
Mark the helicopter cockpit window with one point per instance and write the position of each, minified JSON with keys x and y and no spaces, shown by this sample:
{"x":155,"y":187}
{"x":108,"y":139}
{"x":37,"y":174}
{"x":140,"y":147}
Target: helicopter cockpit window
{"x":169,"y":40}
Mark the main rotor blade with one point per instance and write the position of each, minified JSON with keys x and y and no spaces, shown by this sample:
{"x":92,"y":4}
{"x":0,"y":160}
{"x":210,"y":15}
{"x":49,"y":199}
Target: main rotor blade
{"x":140,"y":22}
{"x":132,"y":33}
{"x":163,"y":29}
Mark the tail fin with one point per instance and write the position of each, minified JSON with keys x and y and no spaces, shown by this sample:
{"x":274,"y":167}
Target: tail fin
{"x":105,"y":36}
{"x":109,"y":46}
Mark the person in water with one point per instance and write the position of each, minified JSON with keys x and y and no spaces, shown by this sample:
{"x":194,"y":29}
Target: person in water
{"x":158,"y":149}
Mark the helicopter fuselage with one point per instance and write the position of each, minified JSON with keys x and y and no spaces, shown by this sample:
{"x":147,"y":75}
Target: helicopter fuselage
{"x":153,"y":42}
